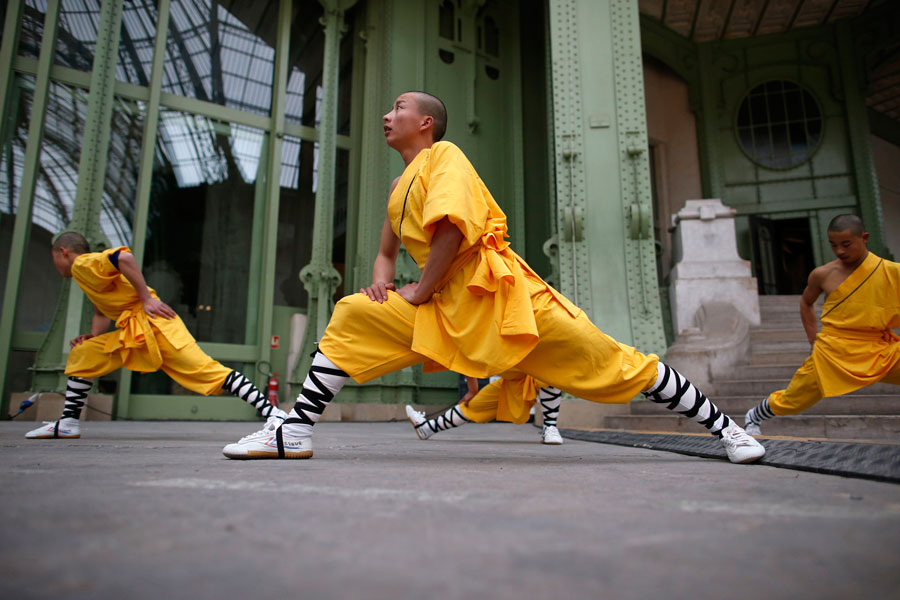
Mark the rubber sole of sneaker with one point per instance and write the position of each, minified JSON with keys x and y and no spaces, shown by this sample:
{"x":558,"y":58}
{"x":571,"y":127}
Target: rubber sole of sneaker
{"x":419,"y":435}
{"x":255,"y":454}
{"x":551,"y":443}
{"x":50,"y":437}
{"x":746,"y":461}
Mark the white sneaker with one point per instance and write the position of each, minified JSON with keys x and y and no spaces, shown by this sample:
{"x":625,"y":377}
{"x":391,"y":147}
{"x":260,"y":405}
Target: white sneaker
{"x":418,"y":421}
{"x":550,"y":435}
{"x":67,"y":429}
{"x":740,"y":447}
{"x":265,"y":444}
{"x":751,"y":427}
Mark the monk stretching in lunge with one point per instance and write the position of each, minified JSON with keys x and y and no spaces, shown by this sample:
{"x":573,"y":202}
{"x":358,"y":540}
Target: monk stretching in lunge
{"x":149,"y":336}
{"x":503,"y":399}
{"x":856,"y":346}
{"x":477,"y":309}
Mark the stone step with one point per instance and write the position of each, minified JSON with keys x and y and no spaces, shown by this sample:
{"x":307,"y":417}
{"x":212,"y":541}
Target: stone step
{"x":844,"y":427}
{"x":778,"y":335}
{"x":737,"y":406}
{"x":795,"y":346}
{"x":763,"y":386}
{"x":779,"y":357}
{"x":783,"y":371}
{"x":787,"y":324}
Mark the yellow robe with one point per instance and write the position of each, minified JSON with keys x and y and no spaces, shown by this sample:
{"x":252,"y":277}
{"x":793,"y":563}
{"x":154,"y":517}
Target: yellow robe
{"x":856,"y":346}
{"x":114,"y":296}
{"x":491,"y":314}
{"x":481,"y":320}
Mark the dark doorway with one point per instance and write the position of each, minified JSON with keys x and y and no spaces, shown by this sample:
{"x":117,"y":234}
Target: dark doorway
{"x":782,"y":254}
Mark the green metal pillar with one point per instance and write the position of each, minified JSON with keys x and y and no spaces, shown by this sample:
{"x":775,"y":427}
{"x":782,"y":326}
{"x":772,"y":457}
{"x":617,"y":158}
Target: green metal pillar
{"x":273,"y":176}
{"x":634,"y":176}
{"x":602,"y":171}
{"x":858,"y":131}
{"x":71,"y":313}
{"x":22,"y":227}
{"x":145,"y":174}
{"x":319,"y":277}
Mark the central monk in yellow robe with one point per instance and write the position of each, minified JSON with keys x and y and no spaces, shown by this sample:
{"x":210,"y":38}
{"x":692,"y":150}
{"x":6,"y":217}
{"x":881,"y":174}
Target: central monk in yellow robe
{"x":478,"y":308}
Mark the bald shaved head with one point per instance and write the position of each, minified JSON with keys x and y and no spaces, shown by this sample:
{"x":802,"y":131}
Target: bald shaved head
{"x":434,"y":108}
{"x":71,"y":241}
{"x":850,"y":223}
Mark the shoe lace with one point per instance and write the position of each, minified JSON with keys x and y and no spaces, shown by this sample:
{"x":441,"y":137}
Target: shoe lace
{"x":739,"y":437}
{"x":262,"y":432}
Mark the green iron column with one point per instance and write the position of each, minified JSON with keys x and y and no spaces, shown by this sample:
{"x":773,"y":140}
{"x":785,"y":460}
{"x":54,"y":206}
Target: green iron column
{"x":634,"y":176}
{"x":319,"y":277}
{"x":71,"y":313}
{"x":858,"y":131}
{"x":607,"y":261}
{"x":22,"y":227}
{"x":145,"y":175}
{"x":273,"y":178}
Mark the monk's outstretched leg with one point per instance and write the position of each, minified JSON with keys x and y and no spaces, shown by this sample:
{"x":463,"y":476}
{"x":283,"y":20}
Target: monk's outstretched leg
{"x":801,"y":393}
{"x":363,"y":340}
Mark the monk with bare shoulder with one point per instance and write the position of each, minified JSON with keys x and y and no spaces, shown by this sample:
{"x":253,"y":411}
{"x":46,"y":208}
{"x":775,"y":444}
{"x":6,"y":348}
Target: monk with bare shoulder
{"x":856,"y":346}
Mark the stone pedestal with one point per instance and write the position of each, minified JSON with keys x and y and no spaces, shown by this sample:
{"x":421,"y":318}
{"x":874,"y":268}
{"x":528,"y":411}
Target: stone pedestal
{"x":709,"y":268}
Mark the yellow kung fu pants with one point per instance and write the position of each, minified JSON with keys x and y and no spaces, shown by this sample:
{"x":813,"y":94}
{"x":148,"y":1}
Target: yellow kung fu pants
{"x":189,"y":365}
{"x":367,"y":340}
{"x":803,"y":391}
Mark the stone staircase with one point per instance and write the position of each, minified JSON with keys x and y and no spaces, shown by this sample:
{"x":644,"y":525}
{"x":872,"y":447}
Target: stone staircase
{"x":778,"y":346}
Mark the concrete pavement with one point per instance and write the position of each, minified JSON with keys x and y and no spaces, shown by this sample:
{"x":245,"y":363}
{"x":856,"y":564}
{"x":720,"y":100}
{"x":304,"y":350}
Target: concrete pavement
{"x":153,"y":510}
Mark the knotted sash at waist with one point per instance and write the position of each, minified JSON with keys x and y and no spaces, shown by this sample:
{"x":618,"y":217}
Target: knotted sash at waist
{"x":496,"y":267}
{"x":863,"y":335}
{"x":135,"y":334}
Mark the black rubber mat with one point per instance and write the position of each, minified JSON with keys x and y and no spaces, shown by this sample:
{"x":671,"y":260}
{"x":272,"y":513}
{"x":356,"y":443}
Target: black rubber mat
{"x":850,"y":459}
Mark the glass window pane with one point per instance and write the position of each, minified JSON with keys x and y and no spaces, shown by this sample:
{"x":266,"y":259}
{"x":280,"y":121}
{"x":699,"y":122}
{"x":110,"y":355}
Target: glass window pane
{"x":139,"y":18}
{"x":295,"y":218}
{"x":76,"y":36}
{"x":12,"y":159}
{"x":122,"y":168}
{"x":54,"y":199}
{"x":31,"y":29}
{"x":201,"y":215}
{"x":3,"y":4}
{"x":222,"y":55}
{"x":304,"y":88}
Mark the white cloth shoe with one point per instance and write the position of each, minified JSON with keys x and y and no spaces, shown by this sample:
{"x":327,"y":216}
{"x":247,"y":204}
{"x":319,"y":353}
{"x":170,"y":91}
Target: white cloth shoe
{"x":270,"y":442}
{"x":751,"y":427}
{"x":740,"y":447}
{"x":66,"y":429}
{"x":418,"y":421}
{"x":550,"y":435}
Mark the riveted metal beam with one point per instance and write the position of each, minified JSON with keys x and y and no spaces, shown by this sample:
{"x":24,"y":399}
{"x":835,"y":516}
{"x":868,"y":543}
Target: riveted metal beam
{"x":319,"y":277}
{"x":22,"y":227}
{"x":568,"y":120}
{"x":634,"y":176}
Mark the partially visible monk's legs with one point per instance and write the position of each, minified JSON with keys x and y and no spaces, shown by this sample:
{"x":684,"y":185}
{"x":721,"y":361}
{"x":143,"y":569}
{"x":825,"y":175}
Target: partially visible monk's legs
{"x":482,"y":408}
{"x":576,"y":357}
{"x":801,"y":393}
{"x":363,"y":340}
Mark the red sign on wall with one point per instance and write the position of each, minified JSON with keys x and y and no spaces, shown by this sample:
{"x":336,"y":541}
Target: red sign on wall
{"x":275,"y":340}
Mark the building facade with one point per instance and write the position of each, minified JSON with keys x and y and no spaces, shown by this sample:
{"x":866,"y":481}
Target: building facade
{"x":236,"y":148}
